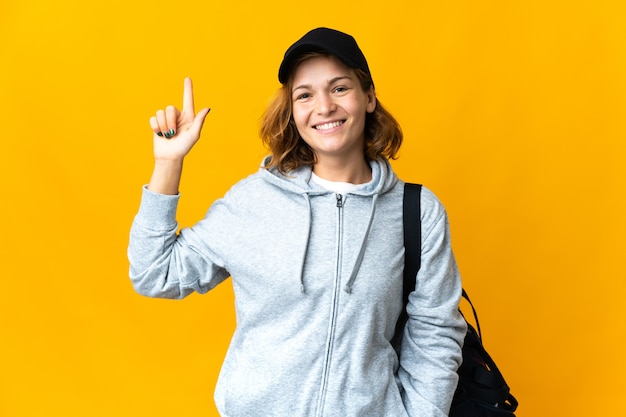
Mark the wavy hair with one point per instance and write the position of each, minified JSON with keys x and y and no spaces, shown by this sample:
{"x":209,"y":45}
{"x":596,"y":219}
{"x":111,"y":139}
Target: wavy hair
{"x":278,"y":131}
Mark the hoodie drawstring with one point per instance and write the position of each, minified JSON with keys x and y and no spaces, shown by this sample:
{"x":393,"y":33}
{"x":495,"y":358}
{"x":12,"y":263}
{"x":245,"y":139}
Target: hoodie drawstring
{"x":306,"y":242}
{"x":359,"y":259}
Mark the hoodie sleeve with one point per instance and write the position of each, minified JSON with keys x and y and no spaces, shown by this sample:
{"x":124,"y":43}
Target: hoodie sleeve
{"x":165,"y":263}
{"x":434,"y":334}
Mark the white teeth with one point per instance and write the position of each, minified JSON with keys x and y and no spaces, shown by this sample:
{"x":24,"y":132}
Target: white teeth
{"x":327,"y":126}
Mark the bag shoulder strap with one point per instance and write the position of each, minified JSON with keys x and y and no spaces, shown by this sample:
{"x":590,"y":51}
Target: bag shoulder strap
{"x":411,"y":217}
{"x":478,"y":332}
{"x":412,"y":231}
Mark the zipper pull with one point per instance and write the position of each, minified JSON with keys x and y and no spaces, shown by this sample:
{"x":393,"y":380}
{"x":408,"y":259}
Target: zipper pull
{"x":339,"y":200}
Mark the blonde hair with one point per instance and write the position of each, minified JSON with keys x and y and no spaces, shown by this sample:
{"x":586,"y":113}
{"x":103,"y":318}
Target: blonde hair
{"x":278,"y":131}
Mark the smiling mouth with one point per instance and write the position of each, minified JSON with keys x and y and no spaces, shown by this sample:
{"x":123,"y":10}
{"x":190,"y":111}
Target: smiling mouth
{"x":328,"y":126}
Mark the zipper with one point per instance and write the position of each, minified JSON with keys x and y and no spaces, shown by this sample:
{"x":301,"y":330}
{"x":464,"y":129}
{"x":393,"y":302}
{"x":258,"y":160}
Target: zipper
{"x":335,"y":305}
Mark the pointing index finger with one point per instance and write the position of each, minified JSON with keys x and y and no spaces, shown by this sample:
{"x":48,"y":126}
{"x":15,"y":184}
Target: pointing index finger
{"x":188,"y":96}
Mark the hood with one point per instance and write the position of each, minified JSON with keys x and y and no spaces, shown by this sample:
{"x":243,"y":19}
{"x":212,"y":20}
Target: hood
{"x":299,"y":182}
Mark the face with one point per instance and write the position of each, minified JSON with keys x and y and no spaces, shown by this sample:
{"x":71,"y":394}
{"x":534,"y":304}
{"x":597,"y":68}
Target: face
{"x":329,"y":108}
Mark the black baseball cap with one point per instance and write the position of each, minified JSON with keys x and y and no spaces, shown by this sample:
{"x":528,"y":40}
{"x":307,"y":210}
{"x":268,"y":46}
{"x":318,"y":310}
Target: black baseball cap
{"x":337,"y":43}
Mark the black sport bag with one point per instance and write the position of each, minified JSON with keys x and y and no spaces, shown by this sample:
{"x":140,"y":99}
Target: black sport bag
{"x":482,"y":390}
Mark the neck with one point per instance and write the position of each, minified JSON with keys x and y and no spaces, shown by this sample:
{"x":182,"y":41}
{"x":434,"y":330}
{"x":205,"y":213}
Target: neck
{"x":357,"y":172}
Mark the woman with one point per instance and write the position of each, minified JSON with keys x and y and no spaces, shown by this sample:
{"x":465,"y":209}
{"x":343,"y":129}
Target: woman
{"x":313,"y":243}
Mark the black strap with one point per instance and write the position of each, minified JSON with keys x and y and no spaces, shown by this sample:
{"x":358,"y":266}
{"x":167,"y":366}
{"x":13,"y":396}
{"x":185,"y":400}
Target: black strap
{"x":480,"y":335}
{"x":411,"y":217}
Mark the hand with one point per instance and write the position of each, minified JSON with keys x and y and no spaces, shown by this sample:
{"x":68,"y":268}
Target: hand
{"x":176,"y":132}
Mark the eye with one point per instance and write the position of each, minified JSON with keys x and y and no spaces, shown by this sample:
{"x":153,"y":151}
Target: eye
{"x":340,"y":89}
{"x":303,"y":96}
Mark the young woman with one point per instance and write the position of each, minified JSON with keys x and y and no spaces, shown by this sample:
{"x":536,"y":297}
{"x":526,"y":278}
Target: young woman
{"x":313,"y":243}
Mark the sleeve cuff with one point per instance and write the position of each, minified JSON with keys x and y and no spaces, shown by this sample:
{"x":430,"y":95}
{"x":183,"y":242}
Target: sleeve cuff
{"x":157,"y":210}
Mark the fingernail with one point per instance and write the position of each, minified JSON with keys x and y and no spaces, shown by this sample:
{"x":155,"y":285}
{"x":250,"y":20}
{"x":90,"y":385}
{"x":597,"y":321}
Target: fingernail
{"x":167,"y":135}
{"x":159,"y":134}
{"x":172,"y":133}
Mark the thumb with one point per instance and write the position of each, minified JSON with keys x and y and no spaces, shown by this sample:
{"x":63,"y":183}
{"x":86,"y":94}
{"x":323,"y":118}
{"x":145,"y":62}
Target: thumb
{"x":198,"y":120}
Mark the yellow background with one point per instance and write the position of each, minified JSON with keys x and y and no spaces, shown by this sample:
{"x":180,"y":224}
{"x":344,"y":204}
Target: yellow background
{"x":514,"y":114}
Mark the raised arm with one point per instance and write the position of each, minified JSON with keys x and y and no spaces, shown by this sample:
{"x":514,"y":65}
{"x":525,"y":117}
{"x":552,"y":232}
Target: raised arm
{"x":175,"y":133}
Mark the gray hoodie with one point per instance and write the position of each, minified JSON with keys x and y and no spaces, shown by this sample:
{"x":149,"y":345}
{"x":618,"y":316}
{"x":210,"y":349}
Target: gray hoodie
{"x":317,"y":278}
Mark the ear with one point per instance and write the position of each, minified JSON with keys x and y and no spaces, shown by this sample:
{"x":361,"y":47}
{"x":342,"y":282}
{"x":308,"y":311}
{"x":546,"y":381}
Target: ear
{"x":371,"y":100}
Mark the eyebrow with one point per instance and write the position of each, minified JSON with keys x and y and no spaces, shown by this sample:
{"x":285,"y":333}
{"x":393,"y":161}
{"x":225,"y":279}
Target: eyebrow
{"x":330,"y":82}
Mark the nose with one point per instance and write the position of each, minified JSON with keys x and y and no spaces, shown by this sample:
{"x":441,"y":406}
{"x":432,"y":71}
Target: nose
{"x":325,"y":104}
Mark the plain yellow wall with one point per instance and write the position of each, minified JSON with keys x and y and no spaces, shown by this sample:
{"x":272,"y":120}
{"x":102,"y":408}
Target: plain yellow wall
{"x":514,"y":114}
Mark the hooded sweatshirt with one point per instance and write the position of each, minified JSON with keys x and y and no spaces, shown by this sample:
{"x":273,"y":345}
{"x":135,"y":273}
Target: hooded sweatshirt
{"x":317,"y":278}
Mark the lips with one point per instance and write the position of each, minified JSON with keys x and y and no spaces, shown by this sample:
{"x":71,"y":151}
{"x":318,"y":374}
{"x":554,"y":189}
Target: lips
{"x":328,"y":126}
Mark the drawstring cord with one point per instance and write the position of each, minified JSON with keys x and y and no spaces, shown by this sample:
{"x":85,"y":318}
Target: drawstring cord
{"x":359,"y":259}
{"x":306,"y":242}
